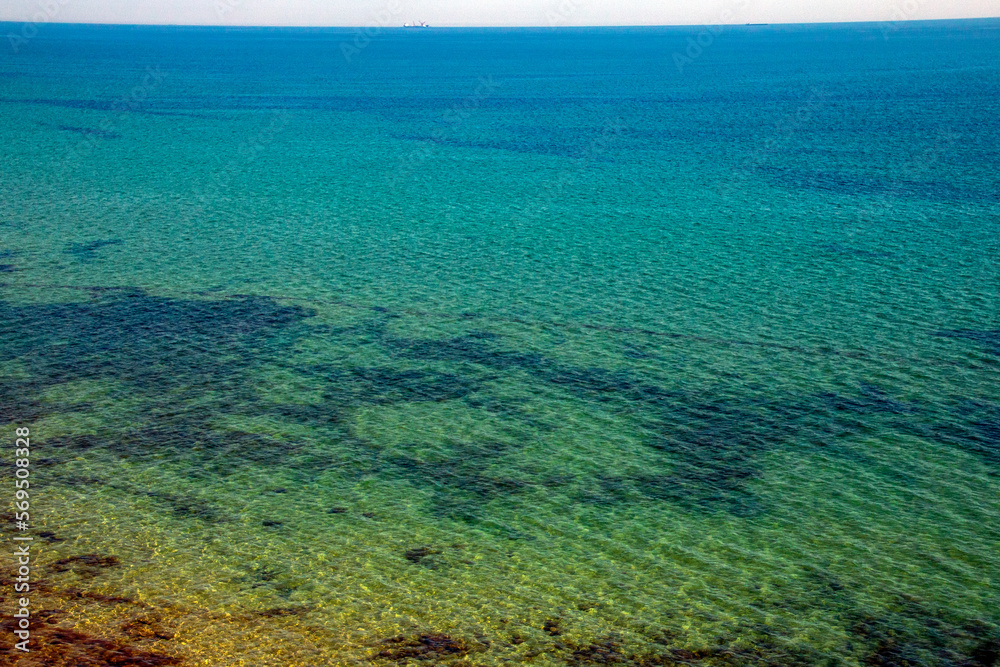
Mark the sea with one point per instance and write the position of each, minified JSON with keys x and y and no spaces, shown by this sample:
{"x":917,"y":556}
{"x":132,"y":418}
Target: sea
{"x":475,"y":347}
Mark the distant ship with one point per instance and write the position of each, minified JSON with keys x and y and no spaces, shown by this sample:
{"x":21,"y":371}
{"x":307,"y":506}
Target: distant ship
{"x":418,"y":24}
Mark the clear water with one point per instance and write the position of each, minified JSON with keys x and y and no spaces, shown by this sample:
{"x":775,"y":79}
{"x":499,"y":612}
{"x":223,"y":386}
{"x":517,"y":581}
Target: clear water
{"x":504,"y":346}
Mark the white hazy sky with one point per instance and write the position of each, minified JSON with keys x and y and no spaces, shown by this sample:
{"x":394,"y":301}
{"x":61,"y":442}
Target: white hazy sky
{"x":487,"y":12}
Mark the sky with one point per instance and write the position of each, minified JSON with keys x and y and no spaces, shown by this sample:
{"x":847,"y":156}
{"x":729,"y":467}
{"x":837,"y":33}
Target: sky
{"x":486,"y":12}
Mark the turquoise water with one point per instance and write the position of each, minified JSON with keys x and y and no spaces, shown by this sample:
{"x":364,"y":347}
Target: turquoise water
{"x":485,"y":347}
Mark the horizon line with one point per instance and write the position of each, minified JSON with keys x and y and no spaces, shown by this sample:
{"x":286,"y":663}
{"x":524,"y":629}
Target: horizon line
{"x":495,"y":27}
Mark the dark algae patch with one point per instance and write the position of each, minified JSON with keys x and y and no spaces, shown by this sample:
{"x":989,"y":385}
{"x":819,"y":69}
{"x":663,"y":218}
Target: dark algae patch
{"x":86,"y":562}
{"x":90,"y":132}
{"x":914,"y":634}
{"x":970,"y":425}
{"x":710,"y":446}
{"x":183,"y":507}
{"x":471,"y":348}
{"x":707,"y":451}
{"x":425,"y":647}
{"x":420,"y":553}
{"x":54,"y":646}
{"x":146,"y":628}
{"x":16,"y":404}
{"x":604,"y":652}
{"x":146,"y":341}
{"x":988,"y":338}
{"x":460,"y":485}
{"x":373,"y":386}
{"x":87,"y":251}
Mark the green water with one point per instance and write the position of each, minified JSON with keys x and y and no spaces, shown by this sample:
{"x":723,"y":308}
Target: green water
{"x":600,"y":363}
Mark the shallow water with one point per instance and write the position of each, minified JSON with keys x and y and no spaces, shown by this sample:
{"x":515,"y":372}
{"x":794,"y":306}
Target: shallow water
{"x":489,"y":347}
